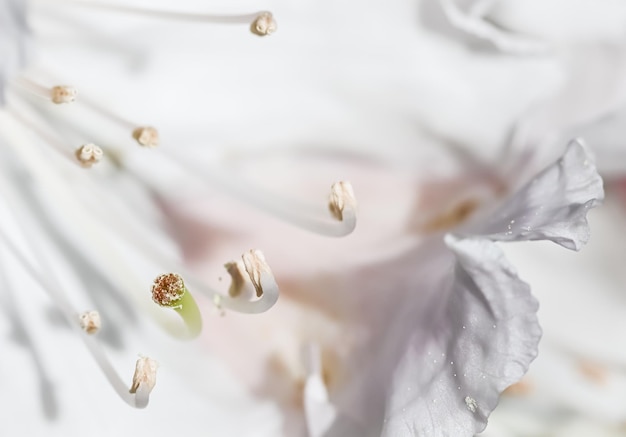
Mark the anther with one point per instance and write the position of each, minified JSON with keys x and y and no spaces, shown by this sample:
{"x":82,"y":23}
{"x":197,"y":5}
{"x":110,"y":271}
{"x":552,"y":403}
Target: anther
{"x":168,"y":290}
{"x":146,"y":136}
{"x":88,"y":155}
{"x":62,"y":94}
{"x":256,"y":266}
{"x":341,"y":198}
{"x":144,"y":378}
{"x":90,"y":322}
{"x":264,"y":24}
{"x":236,"y":270}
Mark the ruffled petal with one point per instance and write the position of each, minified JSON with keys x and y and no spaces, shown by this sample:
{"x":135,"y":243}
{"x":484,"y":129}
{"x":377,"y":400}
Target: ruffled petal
{"x":451,"y":373}
{"x":552,"y":206}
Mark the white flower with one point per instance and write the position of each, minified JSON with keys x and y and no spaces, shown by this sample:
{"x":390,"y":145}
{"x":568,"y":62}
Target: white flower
{"x":443,"y":296}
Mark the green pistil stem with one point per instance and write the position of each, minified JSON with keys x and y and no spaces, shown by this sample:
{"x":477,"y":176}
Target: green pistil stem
{"x":190,"y":313}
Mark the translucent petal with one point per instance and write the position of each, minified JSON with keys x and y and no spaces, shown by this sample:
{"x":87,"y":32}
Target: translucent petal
{"x":553,"y":206}
{"x":451,"y":374}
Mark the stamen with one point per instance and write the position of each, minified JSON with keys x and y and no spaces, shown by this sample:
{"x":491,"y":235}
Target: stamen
{"x":262,"y":22}
{"x":261,"y":277}
{"x":90,"y":322}
{"x":310,"y":218}
{"x":88,"y":155}
{"x":169,"y":291}
{"x":58,"y":94}
{"x":144,"y":378}
{"x":146,"y":136}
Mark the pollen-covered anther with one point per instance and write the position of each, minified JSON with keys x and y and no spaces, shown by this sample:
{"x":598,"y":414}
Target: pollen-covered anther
{"x":341,"y":198}
{"x":146,"y":136}
{"x":62,"y":94}
{"x":90,"y":321}
{"x":89,"y":154}
{"x":264,"y":24}
{"x":168,"y":290}
{"x":256,"y":266}
{"x":145,"y":375}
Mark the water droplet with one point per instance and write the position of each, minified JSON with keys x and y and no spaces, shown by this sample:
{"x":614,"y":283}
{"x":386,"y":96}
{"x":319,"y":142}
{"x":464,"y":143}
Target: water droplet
{"x":471,"y":404}
{"x":451,"y":363}
{"x":463,"y":326}
{"x":434,"y":401}
{"x":458,"y":388}
{"x":494,"y":326}
{"x":435,"y":361}
{"x":455,"y":375}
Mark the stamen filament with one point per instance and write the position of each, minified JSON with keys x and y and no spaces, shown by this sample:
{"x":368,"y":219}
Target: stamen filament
{"x":175,"y":15}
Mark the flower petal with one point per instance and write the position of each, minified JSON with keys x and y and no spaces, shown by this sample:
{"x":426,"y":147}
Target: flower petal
{"x":553,"y":206}
{"x":474,"y":23}
{"x":450,"y":377}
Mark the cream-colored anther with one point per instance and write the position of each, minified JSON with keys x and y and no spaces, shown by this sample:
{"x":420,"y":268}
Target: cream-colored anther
{"x":90,"y":322}
{"x":341,"y":197}
{"x":145,"y":374}
{"x":256,"y":266}
{"x":236,"y":270}
{"x":146,"y":136}
{"x":89,"y":154}
{"x":62,"y":94}
{"x":264,"y":24}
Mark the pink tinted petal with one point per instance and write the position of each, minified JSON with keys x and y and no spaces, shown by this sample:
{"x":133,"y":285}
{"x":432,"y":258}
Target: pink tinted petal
{"x":553,"y":206}
{"x":451,"y":373}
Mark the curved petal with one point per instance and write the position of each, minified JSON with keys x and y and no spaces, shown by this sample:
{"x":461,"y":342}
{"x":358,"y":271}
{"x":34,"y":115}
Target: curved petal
{"x":552,"y":206}
{"x":450,"y":376}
